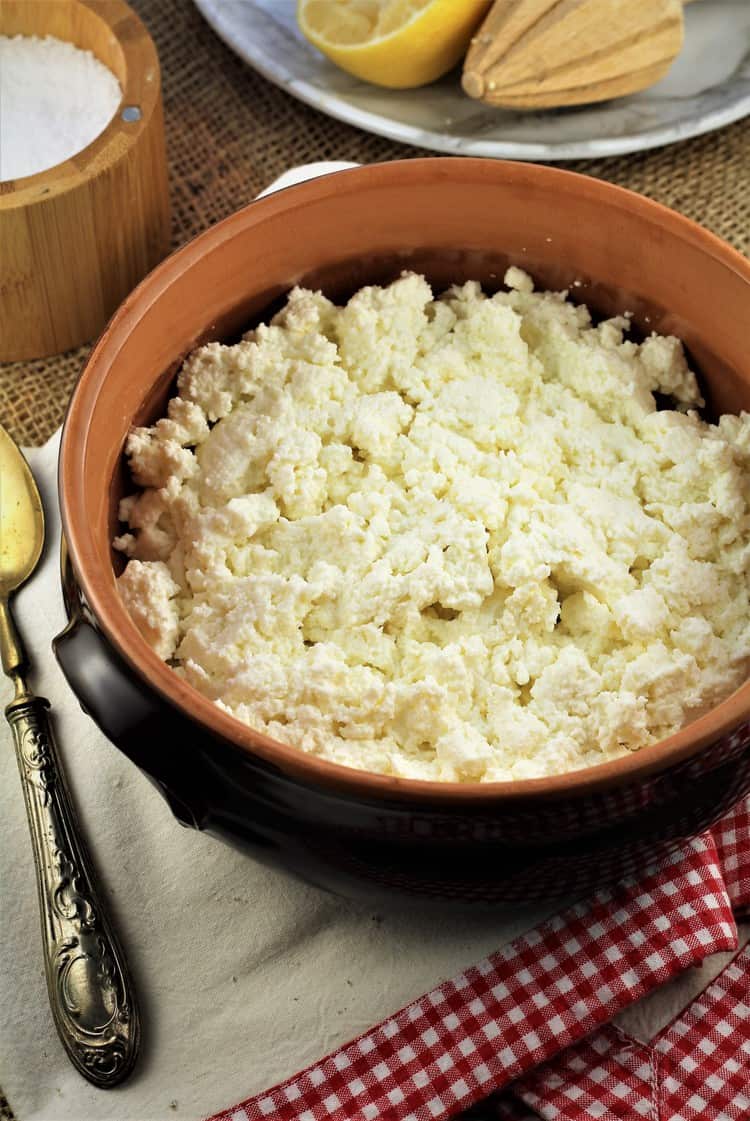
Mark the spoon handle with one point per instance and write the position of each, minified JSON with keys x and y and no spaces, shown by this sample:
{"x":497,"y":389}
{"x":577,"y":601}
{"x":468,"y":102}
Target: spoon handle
{"x":90,"y":991}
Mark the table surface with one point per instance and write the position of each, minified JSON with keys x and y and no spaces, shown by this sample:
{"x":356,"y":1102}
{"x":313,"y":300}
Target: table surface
{"x":230,"y":133}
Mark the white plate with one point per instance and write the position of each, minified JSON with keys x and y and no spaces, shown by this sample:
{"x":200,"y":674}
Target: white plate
{"x":708,"y":86}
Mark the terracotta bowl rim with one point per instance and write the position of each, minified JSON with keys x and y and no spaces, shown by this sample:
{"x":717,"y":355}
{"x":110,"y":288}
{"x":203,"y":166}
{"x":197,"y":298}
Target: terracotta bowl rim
{"x":115,"y":624}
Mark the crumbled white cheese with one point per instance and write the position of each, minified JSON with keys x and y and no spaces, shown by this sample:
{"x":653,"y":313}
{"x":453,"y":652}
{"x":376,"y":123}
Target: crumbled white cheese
{"x":444,"y":538}
{"x":148,"y":592}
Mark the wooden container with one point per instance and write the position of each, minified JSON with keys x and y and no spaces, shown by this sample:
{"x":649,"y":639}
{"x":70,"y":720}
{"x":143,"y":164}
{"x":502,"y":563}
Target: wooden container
{"x":75,"y":239}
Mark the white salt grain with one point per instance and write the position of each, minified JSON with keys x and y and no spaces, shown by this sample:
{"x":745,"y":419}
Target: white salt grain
{"x":54,"y":100}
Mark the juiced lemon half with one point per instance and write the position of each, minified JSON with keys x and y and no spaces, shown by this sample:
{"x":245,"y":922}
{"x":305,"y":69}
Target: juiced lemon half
{"x":394,"y":43}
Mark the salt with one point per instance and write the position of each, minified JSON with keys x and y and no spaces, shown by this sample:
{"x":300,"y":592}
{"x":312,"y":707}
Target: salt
{"x":54,"y":100}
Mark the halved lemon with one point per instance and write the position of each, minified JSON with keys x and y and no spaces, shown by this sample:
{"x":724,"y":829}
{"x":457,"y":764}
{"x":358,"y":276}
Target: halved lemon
{"x":394,"y":43}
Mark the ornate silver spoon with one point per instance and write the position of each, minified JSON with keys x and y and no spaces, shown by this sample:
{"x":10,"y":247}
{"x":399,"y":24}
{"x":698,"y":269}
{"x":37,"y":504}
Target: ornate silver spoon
{"x":90,"y":991}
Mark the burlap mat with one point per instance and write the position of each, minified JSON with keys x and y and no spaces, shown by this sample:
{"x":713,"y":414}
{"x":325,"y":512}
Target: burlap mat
{"x":229,"y":133}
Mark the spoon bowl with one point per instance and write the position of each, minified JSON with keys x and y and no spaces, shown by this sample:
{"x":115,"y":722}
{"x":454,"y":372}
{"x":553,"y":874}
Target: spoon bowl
{"x":21,"y":544}
{"x":21,"y":518}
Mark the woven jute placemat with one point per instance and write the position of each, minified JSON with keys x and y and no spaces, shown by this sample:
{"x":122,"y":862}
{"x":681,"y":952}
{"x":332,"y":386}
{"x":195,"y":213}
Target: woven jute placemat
{"x":230,"y":133}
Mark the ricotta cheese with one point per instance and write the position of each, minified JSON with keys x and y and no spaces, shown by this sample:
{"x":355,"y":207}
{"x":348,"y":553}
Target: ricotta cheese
{"x":447,"y":538}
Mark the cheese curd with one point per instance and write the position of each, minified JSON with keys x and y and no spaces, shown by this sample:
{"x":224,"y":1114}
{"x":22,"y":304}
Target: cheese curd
{"x":447,"y":538}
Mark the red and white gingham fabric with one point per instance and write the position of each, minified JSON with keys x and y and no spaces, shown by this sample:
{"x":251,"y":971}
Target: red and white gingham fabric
{"x":732,"y":837}
{"x":696,"y":1069}
{"x":539,"y":996}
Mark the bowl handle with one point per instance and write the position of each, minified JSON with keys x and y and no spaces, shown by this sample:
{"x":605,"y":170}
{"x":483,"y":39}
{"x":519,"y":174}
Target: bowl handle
{"x":145,"y":728}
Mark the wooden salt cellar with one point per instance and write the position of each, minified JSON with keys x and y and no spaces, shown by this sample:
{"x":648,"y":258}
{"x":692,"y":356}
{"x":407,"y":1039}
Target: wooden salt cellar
{"x":74,"y":240}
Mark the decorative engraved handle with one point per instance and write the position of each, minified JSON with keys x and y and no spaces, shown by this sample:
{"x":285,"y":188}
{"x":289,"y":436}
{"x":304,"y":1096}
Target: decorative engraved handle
{"x":89,"y":987}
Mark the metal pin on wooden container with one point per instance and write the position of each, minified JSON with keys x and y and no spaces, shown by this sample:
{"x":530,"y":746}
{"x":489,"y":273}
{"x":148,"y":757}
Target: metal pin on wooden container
{"x":90,"y":991}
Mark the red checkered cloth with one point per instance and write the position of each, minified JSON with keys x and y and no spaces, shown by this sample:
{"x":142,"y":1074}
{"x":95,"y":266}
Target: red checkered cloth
{"x":532,"y":1000}
{"x":732,"y":837}
{"x":696,"y":1069}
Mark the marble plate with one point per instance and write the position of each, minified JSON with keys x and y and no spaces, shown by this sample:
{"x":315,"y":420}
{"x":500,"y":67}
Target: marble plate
{"x":708,"y":86}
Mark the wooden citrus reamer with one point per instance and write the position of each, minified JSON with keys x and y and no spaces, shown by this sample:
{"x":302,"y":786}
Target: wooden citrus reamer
{"x":74,"y":240}
{"x":539,"y":54}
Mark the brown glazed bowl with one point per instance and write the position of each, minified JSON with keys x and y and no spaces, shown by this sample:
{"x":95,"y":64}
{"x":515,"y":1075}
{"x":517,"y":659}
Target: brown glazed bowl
{"x":453,"y":219}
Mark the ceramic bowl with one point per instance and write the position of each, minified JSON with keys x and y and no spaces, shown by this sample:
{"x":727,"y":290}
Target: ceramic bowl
{"x":454,"y":220}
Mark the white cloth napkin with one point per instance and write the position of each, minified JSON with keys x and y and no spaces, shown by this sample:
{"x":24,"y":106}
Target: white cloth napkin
{"x":245,"y":975}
